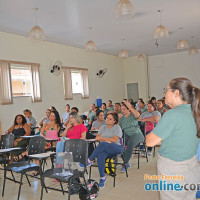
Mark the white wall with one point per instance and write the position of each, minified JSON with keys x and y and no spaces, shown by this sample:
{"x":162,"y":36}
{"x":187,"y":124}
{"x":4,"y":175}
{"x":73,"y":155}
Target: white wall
{"x":136,"y":72}
{"x":19,"y":48}
{"x":165,"y":67}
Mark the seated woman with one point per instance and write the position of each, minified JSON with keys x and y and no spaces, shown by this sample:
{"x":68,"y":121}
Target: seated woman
{"x":133,"y":135}
{"x":31,"y":121}
{"x":142,"y":107}
{"x":91,"y":115}
{"x":45,"y":119}
{"x":96,"y":125}
{"x":160,"y":107}
{"x":19,"y":128}
{"x":151,"y":118}
{"x":109,"y":137}
{"x":53,"y":126}
{"x":105,"y":110}
{"x":65,"y":115}
{"x":73,"y":109}
{"x":74,"y":130}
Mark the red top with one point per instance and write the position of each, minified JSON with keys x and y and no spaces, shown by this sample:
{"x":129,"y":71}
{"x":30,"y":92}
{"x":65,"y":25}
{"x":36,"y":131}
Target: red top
{"x":76,"y":132}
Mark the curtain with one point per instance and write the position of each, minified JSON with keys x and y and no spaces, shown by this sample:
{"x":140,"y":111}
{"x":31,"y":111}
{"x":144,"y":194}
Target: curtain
{"x":5,"y":84}
{"x":36,"y":94}
{"x":85,"y":92}
{"x":67,"y":83}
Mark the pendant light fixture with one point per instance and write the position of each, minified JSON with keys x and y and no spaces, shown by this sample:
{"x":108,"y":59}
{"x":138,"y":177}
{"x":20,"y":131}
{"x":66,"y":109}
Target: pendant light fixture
{"x":161,"y":31}
{"x":141,"y":58}
{"x":36,"y":33}
{"x":124,"y":10}
{"x":193,"y":50}
{"x":123,"y":53}
{"x":90,"y":45}
{"x":182,"y":44}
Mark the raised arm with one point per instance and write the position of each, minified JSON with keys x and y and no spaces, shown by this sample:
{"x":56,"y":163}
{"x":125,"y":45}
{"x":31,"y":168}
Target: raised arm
{"x":133,"y":110}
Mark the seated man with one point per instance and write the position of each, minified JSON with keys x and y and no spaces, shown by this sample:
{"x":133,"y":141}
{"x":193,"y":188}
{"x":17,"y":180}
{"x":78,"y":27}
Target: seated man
{"x":151,"y":118}
{"x":31,"y":121}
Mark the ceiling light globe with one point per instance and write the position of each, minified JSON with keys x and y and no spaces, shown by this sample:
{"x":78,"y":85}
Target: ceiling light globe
{"x":36,"y":33}
{"x":182,"y":44}
{"x":141,"y":58}
{"x":90,"y":46}
{"x":124,"y":10}
{"x":193,"y":50}
{"x":123,"y":54}
{"x":161,"y":32}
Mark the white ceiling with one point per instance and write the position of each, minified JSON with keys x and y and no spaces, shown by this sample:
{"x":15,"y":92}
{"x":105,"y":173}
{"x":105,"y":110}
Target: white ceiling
{"x":67,"y":22}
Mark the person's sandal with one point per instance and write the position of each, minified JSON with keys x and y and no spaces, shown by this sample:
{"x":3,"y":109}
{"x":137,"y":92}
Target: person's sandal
{"x":35,"y":174}
{"x":18,"y":158}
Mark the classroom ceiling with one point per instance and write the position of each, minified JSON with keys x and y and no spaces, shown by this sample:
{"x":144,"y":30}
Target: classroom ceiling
{"x":67,"y":21}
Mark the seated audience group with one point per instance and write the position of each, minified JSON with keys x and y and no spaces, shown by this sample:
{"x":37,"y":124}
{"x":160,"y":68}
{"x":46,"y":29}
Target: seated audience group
{"x":107,"y":124}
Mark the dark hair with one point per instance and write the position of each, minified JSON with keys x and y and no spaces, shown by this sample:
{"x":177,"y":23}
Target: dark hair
{"x":142,"y":101}
{"x":115,"y":117}
{"x":133,"y":103}
{"x":104,"y":104}
{"x":153,"y":98}
{"x":118,"y":104}
{"x":110,"y":101}
{"x":52,"y":108}
{"x":161,"y":101}
{"x":99,"y":112}
{"x":124,"y":99}
{"x":67,"y":105}
{"x":191,"y":95}
{"x":75,"y":108}
{"x":58,"y":122}
{"x":27,"y":111}
{"x":23,"y":119}
{"x":123,"y":104}
{"x":150,"y":102}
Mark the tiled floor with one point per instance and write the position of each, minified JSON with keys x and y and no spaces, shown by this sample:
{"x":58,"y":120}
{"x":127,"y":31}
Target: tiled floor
{"x":131,"y":188}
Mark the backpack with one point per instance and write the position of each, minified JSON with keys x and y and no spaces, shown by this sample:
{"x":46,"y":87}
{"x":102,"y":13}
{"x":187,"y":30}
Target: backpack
{"x":93,"y":188}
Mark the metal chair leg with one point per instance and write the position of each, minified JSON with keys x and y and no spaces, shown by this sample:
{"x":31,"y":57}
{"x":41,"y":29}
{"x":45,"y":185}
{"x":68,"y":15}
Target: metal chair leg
{"x":138,"y":158}
{"x":13,"y":176}
{"x":4,"y":182}
{"x":20,"y":186}
{"x":62,"y":188}
{"x":28,"y":180}
{"x":69,"y":188}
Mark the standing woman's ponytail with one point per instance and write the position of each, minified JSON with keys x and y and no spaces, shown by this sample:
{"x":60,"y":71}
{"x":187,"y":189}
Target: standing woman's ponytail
{"x":195,"y":105}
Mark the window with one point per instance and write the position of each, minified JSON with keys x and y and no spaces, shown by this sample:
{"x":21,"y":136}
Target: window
{"x":76,"y":82}
{"x":21,"y":80}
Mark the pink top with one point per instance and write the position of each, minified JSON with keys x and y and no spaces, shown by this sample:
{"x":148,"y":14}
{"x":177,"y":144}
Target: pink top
{"x":52,"y":134}
{"x":76,"y":132}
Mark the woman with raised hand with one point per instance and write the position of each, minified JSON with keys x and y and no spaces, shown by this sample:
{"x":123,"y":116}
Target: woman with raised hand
{"x":178,"y":133}
{"x":132,"y":132}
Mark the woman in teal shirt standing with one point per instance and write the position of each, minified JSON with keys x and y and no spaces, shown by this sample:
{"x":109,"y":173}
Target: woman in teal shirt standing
{"x":178,"y":132}
{"x":131,"y":129}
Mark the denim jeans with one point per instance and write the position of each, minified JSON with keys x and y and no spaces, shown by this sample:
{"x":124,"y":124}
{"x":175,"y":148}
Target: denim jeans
{"x":103,"y":151}
{"x":59,"y":149}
